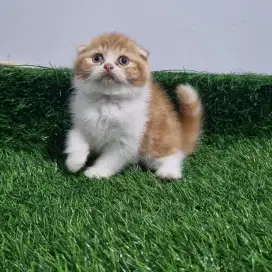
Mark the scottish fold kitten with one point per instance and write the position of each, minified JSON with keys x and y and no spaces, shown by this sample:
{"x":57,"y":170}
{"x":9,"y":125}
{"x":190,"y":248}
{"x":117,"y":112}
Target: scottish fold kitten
{"x":120,"y":113}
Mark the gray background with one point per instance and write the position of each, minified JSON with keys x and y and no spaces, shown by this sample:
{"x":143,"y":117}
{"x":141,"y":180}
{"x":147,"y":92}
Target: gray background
{"x":202,"y":35}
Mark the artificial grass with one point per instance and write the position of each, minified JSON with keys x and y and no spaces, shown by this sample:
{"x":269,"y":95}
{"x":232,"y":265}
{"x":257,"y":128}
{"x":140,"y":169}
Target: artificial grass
{"x":219,"y":218}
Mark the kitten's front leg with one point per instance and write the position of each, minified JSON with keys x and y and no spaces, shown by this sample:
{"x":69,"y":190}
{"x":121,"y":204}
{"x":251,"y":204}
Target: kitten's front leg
{"x":113,"y":159}
{"x":77,"y":149}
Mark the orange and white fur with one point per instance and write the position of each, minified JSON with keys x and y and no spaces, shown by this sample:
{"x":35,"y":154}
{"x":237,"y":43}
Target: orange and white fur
{"x":121,"y":114}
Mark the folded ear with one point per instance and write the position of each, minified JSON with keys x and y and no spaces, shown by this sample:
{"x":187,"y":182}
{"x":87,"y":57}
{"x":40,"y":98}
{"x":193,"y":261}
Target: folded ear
{"x":143,"y":53}
{"x":81,"y":48}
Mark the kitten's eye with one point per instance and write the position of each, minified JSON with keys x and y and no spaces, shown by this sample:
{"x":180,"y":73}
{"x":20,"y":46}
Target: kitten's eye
{"x":123,"y":60}
{"x":97,"y":58}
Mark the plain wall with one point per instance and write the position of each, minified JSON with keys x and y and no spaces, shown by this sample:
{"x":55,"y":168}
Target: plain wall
{"x":201,"y":35}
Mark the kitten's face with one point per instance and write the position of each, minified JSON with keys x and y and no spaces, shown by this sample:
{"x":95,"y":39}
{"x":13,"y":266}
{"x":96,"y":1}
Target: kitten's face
{"x":113,"y":60}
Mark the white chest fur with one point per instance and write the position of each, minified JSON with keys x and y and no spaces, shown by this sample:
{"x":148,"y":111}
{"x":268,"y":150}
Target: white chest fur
{"x":104,"y":120}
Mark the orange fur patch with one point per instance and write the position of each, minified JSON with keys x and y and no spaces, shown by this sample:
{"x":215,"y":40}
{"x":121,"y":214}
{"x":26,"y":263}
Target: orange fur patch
{"x":163,"y":133}
{"x":168,"y":130}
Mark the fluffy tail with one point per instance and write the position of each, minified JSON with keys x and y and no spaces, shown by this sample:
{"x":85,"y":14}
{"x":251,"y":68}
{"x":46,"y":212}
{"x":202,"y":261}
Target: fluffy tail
{"x":191,"y":114}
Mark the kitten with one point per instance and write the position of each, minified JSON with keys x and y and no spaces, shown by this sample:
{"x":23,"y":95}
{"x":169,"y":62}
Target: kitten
{"x":120,"y":113}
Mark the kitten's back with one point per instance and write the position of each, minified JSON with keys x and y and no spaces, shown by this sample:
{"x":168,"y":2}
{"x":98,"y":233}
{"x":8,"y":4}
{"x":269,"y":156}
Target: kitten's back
{"x":168,"y":130}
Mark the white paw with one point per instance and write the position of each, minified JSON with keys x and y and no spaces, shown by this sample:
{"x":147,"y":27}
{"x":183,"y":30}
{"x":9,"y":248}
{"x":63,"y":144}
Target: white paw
{"x":75,"y":161}
{"x":166,"y":173}
{"x":95,"y":172}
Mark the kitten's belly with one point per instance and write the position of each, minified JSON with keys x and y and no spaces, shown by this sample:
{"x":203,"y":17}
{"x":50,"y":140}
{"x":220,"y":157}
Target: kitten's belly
{"x":102,"y":131}
{"x":101,"y":128}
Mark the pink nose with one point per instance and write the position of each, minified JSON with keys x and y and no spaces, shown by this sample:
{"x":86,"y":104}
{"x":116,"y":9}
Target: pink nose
{"x":108,"y":67}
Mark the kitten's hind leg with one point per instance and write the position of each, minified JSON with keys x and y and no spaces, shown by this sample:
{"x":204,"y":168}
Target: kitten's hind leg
{"x":167,"y":167}
{"x":77,"y":149}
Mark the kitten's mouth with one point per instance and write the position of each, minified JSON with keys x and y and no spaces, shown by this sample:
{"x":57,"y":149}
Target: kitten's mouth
{"x":108,"y":76}
{"x":109,"y":79}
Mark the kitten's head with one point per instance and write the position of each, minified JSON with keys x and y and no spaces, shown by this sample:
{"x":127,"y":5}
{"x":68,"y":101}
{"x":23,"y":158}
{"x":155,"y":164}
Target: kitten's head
{"x":112,"y":60}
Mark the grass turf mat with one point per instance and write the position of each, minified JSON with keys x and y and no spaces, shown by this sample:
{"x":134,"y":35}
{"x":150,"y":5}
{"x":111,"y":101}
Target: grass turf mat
{"x":218,"y":219}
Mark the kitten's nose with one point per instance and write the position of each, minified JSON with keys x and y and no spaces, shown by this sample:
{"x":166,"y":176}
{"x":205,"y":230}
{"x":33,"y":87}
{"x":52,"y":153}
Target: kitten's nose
{"x":108,"y":67}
